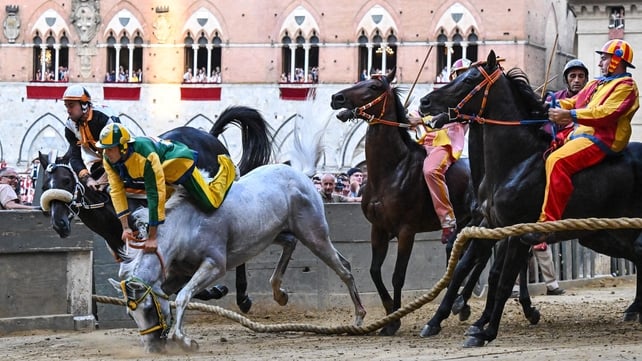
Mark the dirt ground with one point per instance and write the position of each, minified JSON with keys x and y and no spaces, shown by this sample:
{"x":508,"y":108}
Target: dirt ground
{"x":584,"y":324}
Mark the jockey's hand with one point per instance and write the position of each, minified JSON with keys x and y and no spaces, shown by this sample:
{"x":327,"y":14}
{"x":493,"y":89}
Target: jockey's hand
{"x":103,"y":182}
{"x":560,"y":116}
{"x":128,"y":235}
{"x":91,"y":183}
{"x":439,"y":120}
{"x":150,"y":245}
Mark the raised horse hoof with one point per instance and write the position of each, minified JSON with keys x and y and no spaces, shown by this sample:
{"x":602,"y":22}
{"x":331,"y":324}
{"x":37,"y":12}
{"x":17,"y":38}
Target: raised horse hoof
{"x":632,"y":316}
{"x":534,"y":317}
{"x":465,"y":313}
{"x":390,"y":329}
{"x":458,"y":305}
{"x":215,"y":293}
{"x":428,"y":331}
{"x":244,"y":304}
{"x":473,"y":341}
{"x":219,"y":291}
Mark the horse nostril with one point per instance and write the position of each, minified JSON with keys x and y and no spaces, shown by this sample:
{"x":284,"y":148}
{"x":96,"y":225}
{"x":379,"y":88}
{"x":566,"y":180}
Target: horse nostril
{"x":338,"y":99}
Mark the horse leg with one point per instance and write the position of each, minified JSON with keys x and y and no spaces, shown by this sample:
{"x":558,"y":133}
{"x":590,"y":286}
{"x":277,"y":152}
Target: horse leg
{"x":379,"y":241}
{"x":319,"y":243}
{"x":460,"y":306}
{"x":477,"y":252}
{"x":208,"y":272}
{"x":634,"y":311}
{"x":531,"y":313}
{"x":288,"y":242}
{"x":493,"y":279}
{"x":243,"y":300}
{"x":515,"y":255}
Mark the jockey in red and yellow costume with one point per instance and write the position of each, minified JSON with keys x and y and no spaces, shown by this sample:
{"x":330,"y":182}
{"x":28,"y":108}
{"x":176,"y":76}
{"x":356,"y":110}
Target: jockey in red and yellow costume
{"x":603,"y":110}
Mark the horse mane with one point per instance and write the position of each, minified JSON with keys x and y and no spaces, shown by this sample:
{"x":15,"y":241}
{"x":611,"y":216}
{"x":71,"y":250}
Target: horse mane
{"x":403,"y":118}
{"x":527,"y":98}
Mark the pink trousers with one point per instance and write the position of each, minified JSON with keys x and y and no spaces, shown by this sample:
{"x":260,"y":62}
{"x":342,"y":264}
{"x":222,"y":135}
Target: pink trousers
{"x":435,"y":166}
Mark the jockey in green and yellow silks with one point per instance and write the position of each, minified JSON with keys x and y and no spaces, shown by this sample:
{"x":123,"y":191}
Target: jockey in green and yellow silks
{"x":151,"y":164}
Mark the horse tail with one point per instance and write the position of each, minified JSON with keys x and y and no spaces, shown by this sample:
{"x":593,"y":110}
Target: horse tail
{"x":255,"y":135}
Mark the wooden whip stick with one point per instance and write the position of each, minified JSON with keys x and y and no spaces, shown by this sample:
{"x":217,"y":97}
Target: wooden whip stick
{"x":405,"y":105}
{"x":550,"y":62}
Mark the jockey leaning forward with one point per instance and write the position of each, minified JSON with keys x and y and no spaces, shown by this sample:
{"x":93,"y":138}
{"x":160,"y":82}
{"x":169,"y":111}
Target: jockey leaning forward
{"x":152,"y":164}
{"x":82,"y":129}
{"x":602,"y":110}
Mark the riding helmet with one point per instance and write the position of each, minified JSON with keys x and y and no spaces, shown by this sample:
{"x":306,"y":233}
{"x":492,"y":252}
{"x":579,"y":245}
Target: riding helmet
{"x":79,"y":93}
{"x":112,"y":135}
{"x":575,"y":64}
{"x":620,"y":51}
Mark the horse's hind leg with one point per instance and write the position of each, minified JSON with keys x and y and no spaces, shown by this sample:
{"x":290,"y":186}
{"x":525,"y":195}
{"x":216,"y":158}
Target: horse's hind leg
{"x":322,"y":247}
{"x":243,"y":300}
{"x":288,"y":242}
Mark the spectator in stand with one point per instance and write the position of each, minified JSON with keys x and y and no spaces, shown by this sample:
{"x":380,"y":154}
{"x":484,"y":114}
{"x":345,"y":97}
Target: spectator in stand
{"x":283,"y":78}
{"x":139,"y":75}
{"x":364,"y":75}
{"x":327,"y":191}
{"x":187,"y":77}
{"x":9,"y":198}
{"x":356,"y":180}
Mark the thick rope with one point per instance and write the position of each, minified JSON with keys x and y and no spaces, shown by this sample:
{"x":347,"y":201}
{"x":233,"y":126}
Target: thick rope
{"x":462,"y":239}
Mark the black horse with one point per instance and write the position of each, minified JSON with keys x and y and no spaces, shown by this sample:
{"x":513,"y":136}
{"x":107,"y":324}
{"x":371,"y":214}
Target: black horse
{"x":396,"y":199}
{"x":65,"y":196}
{"x":509,"y":152}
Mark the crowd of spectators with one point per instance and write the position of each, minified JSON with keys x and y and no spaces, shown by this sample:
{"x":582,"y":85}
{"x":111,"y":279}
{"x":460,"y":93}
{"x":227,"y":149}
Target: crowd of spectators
{"x":200,"y":76}
{"x":299,"y":76}
{"x":341,"y":187}
{"x":123,"y":76}
{"x":50,"y":75}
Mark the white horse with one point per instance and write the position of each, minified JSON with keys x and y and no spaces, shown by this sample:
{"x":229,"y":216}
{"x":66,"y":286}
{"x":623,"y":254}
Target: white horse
{"x":273,"y":203}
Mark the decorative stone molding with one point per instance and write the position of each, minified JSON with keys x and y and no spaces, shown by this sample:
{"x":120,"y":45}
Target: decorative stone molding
{"x":85,"y":15}
{"x":11,"y":23}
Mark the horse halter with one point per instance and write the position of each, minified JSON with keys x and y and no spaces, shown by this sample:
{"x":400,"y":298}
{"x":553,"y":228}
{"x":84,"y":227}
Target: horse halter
{"x":360,"y":112}
{"x":132,"y":304}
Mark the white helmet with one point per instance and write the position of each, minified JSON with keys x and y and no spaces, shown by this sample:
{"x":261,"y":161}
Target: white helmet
{"x":79,"y":93}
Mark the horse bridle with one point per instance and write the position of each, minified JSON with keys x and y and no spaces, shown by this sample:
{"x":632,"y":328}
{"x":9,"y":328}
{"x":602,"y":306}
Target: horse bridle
{"x":78,"y":199}
{"x":454,"y":114}
{"x":360,"y":112}
{"x":132,"y":304}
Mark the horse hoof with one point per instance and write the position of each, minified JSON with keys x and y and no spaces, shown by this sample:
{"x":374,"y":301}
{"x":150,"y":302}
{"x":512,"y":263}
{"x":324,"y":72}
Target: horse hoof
{"x":472,"y":330}
{"x":458,"y":305}
{"x":428,"y":331}
{"x":534,"y":317}
{"x":283,"y":300}
{"x":631,"y":316}
{"x":390,"y":329}
{"x":473,"y":341}
{"x":219,"y":291}
{"x":245,"y":304}
{"x":465,"y":313}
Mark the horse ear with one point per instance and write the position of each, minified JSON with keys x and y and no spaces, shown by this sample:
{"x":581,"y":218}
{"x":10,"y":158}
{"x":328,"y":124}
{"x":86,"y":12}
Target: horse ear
{"x":116,"y":285}
{"x":391,"y":75}
{"x":43,"y":160}
{"x":492,"y":59}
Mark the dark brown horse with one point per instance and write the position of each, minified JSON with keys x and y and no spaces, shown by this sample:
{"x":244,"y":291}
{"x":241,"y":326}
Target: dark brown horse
{"x":396,"y":199}
{"x":510,"y":153}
